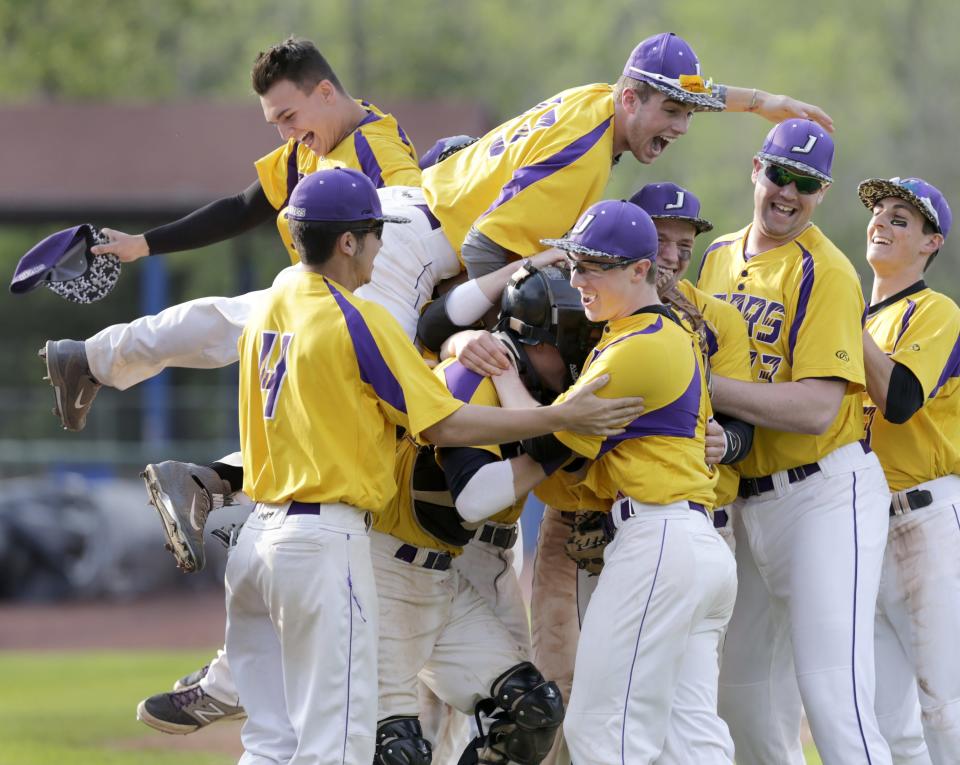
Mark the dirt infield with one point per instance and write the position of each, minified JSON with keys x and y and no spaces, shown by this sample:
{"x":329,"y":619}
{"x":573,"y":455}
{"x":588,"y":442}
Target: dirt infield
{"x":167,"y":622}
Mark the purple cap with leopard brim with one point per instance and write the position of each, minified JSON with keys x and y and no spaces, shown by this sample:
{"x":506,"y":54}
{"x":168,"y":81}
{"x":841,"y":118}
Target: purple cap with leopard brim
{"x":668,"y":64}
{"x":444,"y":148}
{"x":671,"y":202}
{"x":64,"y":264}
{"x":611,"y":230}
{"x":800,"y":145}
{"x":341,"y":194}
{"x":926,"y":197}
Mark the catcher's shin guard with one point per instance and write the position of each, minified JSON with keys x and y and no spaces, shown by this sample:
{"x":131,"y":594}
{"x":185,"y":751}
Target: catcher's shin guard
{"x":400,"y":741}
{"x":530,"y":709}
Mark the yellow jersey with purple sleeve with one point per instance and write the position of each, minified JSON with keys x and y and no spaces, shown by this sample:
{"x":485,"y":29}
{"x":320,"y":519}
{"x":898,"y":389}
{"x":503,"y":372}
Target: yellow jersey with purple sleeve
{"x":803,"y":309}
{"x":325,"y":380}
{"x":729,"y":349}
{"x":921,"y":330}
{"x":378,"y":148}
{"x":660,"y":458}
{"x":420,"y":477}
{"x":531,"y":177}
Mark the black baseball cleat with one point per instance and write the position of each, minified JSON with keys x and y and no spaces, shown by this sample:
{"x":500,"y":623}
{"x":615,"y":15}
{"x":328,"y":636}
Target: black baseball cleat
{"x":184,"y":494}
{"x":74,"y":385}
{"x":182,"y":712}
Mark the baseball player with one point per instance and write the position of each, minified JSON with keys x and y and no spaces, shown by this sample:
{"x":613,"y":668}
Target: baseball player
{"x":811,"y":519}
{"x":323,"y":127}
{"x":668,"y":584}
{"x":911,"y":343}
{"x":490,"y":203}
{"x":209,"y":695}
{"x":560,"y":597}
{"x":437,"y":623}
{"x":301,"y":600}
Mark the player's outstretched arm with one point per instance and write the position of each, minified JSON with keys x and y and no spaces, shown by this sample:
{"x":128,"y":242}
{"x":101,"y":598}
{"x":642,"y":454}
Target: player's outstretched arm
{"x":220,"y":220}
{"x":775,"y":108}
{"x":801,"y":406}
{"x":582,"y":412}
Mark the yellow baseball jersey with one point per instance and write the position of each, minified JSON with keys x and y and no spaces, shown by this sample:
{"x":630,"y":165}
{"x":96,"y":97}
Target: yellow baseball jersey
{"x":563,"y":491}
{"x":921,"y":330}
{"x":531,"y":177}
{"x":729,"y":350}
{"x":325,"y":379}
{"x":378,"y":148}
{"x":803,"y":309}
{"x":421,"y":484}
{"x":660,"y":458}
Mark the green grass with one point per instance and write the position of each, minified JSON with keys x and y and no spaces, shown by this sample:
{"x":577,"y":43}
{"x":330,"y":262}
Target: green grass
{"x":80,"y":708}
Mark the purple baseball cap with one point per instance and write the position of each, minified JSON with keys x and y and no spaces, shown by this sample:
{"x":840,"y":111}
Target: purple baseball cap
{"x":672,"y":202}
{"x":338,"y":195}
{"x":668,"y":64}
{"x":800,"y":145}
{"x":444,"y":148}
{"x":613,"y":230}
{"x":64,"y":264}
{"x":926,"y":197}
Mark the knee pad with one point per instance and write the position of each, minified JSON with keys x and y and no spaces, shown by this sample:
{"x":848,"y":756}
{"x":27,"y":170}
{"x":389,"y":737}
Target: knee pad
{"x":528,"y":710}
{"x":400,"y":741}
{"x":528,"y":698}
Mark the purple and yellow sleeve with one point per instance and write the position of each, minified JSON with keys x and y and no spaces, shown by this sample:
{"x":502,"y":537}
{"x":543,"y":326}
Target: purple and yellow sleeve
{"x":410,"y":394}
{"x":825,"y":336}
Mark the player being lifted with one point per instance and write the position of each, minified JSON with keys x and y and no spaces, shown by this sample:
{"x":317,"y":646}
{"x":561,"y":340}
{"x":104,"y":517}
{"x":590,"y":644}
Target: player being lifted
{"x":527,"y":179}
{"x":911,"y":344}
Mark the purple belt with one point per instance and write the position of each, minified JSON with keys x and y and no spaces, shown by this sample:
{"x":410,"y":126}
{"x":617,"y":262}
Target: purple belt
{"x":438,"y":561}
{"x":625,"y":511}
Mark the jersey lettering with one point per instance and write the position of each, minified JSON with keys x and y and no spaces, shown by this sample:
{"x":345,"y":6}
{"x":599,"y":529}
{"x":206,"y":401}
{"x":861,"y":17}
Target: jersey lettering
{"x":769,"y":327}
{"x":546,"y":120}
{"x":271,"y":378}
{"x":764,"y":318}
{"x":807,"y":147}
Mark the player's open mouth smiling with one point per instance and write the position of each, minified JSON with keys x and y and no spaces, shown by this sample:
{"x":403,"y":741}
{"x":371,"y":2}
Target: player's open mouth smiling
{"x":665,"y":270}
{"x":307,"y":139}
{"x":659,"y":143}
{"x":783,"y":209}
{"x":881,"y":240}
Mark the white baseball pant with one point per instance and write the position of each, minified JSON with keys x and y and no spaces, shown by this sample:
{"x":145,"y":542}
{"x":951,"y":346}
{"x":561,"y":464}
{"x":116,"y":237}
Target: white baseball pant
{"x":203,"y":333}
{"x":918,"y":624}
{"x":492,"y":571}
{"x":302,"y":636}
{"x":435,"y":625}
{"x":644,"y":684}
{"x":809,"y":555}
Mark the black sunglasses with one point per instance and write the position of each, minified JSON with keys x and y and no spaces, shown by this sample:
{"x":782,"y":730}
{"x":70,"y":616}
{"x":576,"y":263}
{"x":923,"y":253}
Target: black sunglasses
{"x":780,"y":176}
{"x":375,"y":228}
{"x":593,"y":266}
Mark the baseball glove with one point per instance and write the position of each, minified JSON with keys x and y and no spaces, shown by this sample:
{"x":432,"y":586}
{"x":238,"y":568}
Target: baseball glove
{"x":587,"y":541}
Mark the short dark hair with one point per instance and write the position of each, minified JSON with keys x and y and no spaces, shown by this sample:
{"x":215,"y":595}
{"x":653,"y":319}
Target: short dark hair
{"x":315,"y":240}
{"x":929,"y":228}
{"x":295,"y":60}
{"x":643,"y":89}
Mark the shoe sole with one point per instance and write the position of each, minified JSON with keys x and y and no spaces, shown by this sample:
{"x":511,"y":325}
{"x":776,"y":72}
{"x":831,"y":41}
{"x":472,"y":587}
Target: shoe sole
{"x":185,"y":555}
{"x":175,"y":729}
{"x":163,"y":726}
{"x":55,"y":378}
